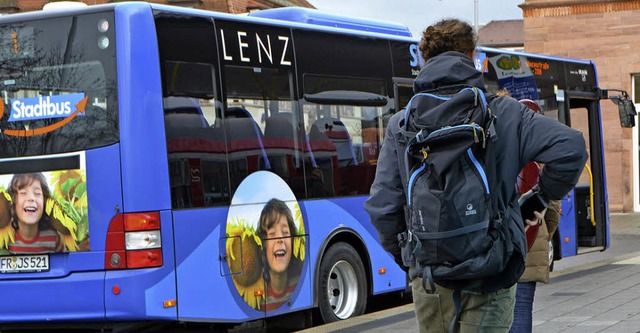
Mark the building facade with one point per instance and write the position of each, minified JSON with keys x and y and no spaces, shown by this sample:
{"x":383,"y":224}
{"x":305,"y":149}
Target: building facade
{"x":606,"y":32}
{"x":503,"y":34}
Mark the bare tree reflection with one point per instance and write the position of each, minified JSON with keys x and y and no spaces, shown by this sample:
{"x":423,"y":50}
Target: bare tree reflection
{"x":52,"y":58}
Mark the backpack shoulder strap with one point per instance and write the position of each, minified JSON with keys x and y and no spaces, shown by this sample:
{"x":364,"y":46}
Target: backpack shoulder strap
{"x":490,"y":154}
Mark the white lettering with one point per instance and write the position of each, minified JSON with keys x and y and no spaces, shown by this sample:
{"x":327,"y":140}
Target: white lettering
{"x":414,"y":52}
{"x":284,"y":50}
{"x":67,"y":107}
{"x":51,"y":109}
{"x":15,"y":106}
{"x":43,"y":108}
{"x":242,"y":45}
{"x":195,"y":175}
{"x":28,"y":110}
{"x":266,"y":51}
{"x":224,"y":47}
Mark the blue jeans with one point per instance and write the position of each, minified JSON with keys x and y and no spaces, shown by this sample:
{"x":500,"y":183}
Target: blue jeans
{"x":523,"y":311}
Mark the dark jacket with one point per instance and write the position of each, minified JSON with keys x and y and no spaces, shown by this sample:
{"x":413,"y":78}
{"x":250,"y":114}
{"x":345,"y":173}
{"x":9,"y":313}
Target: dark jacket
{"x":521,"y":136}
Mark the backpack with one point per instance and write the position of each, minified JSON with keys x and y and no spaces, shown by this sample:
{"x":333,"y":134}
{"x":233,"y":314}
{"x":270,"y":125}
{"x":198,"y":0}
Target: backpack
{"x":455,"y":234}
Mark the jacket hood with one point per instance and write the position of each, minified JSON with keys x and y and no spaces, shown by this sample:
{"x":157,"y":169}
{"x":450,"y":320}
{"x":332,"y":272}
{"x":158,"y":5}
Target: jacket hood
{"x":448,"y":68}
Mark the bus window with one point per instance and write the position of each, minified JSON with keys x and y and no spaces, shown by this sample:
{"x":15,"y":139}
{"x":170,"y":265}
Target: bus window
{"x":403,"y":91}
{"x":197,"y":162}
{"x":195,"y":146}
{"x":49,"y":67}
{"x":345,"y":128}
{"x":261,"y":126}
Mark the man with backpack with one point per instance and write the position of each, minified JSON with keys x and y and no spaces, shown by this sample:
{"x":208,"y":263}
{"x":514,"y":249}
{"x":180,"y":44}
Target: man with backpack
{"x":444,"y":201}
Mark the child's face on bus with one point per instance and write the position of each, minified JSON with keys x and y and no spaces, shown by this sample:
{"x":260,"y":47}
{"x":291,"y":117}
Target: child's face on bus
{"x":278,"y":245}
{"x":29,"y":203}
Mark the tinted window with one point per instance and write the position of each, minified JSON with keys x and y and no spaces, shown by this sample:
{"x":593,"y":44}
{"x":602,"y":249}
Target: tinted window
{"x":344,"y":119}
{"x":195,"y":138}
{"x":260,"y":121}
{"x":58,"y":85}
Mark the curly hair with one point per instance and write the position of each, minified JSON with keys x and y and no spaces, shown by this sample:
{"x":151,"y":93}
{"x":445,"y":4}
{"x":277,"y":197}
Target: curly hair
{"x":271,"y":213}
{"x":20,"y":181}
{"x":447,"y":35}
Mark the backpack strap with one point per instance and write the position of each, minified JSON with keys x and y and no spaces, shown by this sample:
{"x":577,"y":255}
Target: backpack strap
{"x":490,"y":154}
{"x":457,"y":302}
{"x":404,"y":138}
{"x":427,"y":276}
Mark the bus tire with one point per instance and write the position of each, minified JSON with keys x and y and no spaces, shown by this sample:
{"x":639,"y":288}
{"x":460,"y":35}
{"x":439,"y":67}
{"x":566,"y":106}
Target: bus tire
{"x":342,"y":286}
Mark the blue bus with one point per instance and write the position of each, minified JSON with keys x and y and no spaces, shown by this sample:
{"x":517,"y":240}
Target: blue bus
{"x":163,"y":165}
{"x":566,"y":90}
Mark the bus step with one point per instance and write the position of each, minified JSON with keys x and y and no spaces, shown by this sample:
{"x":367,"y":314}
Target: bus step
{"x":587,"y":241}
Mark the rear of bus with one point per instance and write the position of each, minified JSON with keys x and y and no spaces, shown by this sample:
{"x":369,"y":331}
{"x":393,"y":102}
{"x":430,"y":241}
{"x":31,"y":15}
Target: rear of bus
{"x":81,"y":229}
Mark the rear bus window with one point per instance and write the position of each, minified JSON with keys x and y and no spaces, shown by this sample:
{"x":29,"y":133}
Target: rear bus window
{"x":57,"y":85}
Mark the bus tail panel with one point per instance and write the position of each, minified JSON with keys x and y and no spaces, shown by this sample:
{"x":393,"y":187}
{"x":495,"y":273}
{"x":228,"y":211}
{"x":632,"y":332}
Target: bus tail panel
{"x":78,"y":296}
{"x":201,"y":277}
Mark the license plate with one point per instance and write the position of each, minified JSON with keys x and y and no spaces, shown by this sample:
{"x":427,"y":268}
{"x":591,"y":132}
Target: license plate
{"x":24,"y":264}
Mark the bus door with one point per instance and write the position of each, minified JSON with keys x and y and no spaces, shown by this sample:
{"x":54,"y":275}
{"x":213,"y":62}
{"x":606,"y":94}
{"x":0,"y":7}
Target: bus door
{"x":403,"y":91}
{"x":584,"y":224}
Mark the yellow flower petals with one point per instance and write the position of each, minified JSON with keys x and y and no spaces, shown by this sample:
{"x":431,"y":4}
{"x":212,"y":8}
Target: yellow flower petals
{"x":7,"y":196}
{"x":70,"y":242}
{"x":7,"y":236}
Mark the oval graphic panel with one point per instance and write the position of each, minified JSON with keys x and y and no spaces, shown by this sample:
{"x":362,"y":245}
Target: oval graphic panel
{"x":265,"y":242}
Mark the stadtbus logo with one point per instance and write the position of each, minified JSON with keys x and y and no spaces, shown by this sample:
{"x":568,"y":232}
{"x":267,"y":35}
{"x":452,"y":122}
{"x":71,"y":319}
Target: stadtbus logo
{"x":66,"y":106}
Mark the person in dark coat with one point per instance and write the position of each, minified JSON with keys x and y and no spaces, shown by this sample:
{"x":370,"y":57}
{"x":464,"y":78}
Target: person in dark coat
{"x":521,"y":136}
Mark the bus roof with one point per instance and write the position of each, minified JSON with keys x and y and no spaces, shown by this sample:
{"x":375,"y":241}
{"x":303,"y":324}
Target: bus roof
{"x":534,"y":55}
{"x":306,"y":18}
{"x":291,"y":17}
{"x":316,"y":17}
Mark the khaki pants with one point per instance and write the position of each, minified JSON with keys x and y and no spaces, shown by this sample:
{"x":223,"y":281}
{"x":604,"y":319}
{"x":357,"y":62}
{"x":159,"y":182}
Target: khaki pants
{"x":492,"y":312}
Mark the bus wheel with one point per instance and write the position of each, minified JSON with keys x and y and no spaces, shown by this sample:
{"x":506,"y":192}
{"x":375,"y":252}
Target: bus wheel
{"x":342,"y":286}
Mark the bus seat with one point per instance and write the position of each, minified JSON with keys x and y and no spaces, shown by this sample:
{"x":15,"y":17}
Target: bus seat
{"x":187,"y":129}
{"x":337,"y":132}
{"x":244,"y":135}
{"x":280,"y":135}
{"x":183,"y":112}
{"x":236,"y":112}
{"x":240,"y":125}
{"x":325,"y":155}
{"x":279,"y":125}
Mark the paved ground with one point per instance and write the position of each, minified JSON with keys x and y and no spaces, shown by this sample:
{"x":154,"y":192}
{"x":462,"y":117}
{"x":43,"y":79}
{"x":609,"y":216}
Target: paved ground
{"x":600,"y":295}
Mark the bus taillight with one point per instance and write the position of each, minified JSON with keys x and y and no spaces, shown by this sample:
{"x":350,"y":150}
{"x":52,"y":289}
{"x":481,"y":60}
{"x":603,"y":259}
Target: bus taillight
{"x":142,"y":221}
{"x":144,"y":258}
{"x":133,"y":241}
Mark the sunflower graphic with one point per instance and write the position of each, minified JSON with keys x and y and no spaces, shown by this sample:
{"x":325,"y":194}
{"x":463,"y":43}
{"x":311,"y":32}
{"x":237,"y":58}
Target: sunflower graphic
{"x":243,"y":256}
{"x":244,"y":249}
{"x":66,"y":208}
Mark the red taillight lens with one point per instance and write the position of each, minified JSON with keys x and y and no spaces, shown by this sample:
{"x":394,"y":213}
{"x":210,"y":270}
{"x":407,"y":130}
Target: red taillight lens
{"x":133,"y":241}
{"x":115,"y":257}
{"x":144,"y":258}
{"x":142,"y":221}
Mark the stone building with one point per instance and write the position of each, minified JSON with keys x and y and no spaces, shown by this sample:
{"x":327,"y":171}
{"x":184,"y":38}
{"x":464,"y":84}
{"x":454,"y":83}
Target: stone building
{"x":227,"y":6}
{"x":503,"y":34}
{"x":606,"y":32}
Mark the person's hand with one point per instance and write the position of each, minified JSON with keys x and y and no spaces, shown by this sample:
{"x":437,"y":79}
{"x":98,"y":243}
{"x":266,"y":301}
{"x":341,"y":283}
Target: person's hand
{"x":532,"y":223}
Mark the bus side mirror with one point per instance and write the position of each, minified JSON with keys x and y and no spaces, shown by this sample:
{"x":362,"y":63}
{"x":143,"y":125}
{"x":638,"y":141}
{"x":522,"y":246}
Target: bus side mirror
{"x":626,"y":110}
